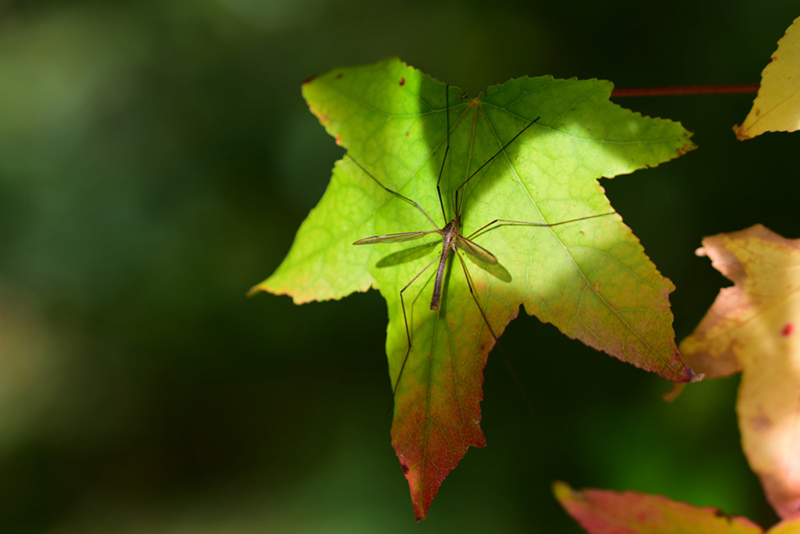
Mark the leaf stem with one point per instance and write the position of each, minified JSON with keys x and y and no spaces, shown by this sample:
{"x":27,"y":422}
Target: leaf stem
{"x":742,"y":88}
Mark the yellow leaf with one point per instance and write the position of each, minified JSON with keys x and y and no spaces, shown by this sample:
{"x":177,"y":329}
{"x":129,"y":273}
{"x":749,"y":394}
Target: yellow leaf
{"x":754,"y":327}
{"x":777,"y":106}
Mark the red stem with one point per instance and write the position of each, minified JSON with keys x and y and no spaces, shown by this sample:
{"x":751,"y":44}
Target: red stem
{"x":688,"y":90}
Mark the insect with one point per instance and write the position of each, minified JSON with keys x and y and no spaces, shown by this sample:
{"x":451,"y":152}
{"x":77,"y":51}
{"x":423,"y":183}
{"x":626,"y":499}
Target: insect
{"x":451,"y":238}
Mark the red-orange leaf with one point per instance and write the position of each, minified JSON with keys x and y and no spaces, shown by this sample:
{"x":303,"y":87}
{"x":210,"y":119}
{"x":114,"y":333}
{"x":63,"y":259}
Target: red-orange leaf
{"x":609,"y":512}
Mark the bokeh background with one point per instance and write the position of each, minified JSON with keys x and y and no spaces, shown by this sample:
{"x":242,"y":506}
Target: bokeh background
{"x":156,"y":159}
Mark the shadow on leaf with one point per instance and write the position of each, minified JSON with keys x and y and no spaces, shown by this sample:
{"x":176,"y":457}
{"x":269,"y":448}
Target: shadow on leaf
{"x":406,"y":255}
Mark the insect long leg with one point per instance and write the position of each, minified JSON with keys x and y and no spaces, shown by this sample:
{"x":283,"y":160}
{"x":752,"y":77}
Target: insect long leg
{"x":500,"y":222}
{"x":485,"y":163}
{"x":468,"y":277}
{"x":405,"y":320}
{"x":446,"y":150}
{"x":393,"y":192}
{"x":472,"y":294}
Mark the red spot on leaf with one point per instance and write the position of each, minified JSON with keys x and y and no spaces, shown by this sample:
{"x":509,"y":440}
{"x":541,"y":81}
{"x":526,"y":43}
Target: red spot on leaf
{"x":402,"y":81}
{"x":338,"y":140}
{"x":787,"y":329}
{"x":408,"y":133}
{"x":405,"y":468}
{"x":760,"y":423}
{"x":339,"y":76}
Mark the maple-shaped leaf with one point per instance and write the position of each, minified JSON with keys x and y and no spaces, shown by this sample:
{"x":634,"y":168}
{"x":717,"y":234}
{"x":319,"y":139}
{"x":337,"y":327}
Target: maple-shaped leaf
{"x":777,"y":105}
{"x":609,"y":512}
{"x":529,"y":150}
{"x":754,"y":327}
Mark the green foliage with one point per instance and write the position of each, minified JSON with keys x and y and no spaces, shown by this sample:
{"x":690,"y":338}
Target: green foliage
{"x":588,"y":277}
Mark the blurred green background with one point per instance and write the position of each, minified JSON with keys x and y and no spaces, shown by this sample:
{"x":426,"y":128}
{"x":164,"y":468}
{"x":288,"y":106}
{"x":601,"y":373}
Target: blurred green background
{"x":156,"y":159}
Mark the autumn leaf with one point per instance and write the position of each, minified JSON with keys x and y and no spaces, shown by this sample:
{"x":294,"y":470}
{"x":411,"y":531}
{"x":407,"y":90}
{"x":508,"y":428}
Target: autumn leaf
{"x":753,"y":327}
{"x":788,"y":526}
{"x":609,"y":512}
{"x":777,"y":105}
{"x":590,"y":278}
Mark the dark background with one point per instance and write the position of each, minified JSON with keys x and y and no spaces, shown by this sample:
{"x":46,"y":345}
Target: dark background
{"x":156,"y":159}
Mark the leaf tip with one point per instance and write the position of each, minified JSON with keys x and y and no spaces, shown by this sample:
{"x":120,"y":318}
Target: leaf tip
{"x":741,"y":133}
{"x":563,"y":492}
{"x":690,"y":375}
{"x":258,"y":288}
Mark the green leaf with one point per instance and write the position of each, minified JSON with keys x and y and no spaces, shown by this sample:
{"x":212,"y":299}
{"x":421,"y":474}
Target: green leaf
{"x":590,"y":278}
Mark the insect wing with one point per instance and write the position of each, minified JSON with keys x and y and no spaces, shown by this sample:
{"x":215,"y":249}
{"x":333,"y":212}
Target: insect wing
{"x":393,"y":238}
{"x":475,"y":250}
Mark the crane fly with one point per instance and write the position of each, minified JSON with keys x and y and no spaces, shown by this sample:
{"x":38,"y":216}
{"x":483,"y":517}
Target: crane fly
{"x":451,"y":238}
